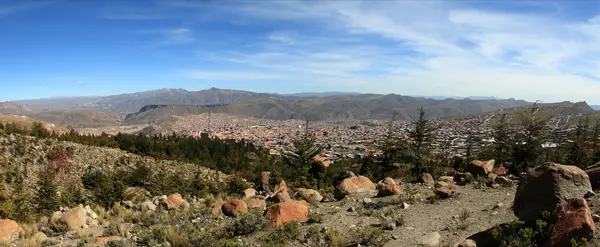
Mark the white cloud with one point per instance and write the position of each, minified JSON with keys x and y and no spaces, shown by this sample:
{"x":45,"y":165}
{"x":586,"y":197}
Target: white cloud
{"x":425,"y":47}
{"x":175,"y":36}
{"x":229,"y":75}
{"x":6,"y":9}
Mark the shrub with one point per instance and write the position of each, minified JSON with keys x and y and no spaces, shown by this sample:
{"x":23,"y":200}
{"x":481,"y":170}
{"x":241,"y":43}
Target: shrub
{"x":519,"y":234}
{"x":106,"y":189}
{"x":281,"y":236}
{"x":366,"y":237}
{"x":322,"y":237}
{"x":246,"y":224}
{"x":315,"y":218}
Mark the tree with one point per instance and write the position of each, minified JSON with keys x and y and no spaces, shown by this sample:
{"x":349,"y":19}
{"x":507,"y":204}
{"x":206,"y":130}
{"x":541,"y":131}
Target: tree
{"x":302,"y":158}
{"x":422,"y":135}
{"x":595,"y":142}
{"x":579,"y":154}
{"x":503,"y":141}
{"x":527,"y":150}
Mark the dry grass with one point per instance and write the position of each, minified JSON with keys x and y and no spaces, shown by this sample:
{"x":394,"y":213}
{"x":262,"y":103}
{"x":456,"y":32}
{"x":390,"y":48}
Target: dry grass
{"x":82,"y":234}
{"x":463,"y":216}
{"x":122,"y":230}
{"x":30,"y":242}
{"x":29,"y":230}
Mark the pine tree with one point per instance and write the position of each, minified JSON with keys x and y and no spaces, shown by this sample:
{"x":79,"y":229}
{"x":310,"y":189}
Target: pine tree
{"x":527,"y":151}
{"x":579,"y":155}
{"x":301,"y":158}
{"x":503,"y":141}
{"x":595,"y":142}
{"x":422,"y":135}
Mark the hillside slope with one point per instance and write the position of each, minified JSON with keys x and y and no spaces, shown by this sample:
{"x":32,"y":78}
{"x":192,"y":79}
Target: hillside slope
{"x":333,"y":108}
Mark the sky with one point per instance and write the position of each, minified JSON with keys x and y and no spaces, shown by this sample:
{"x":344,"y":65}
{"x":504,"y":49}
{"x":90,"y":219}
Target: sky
{"x":532,"y":50}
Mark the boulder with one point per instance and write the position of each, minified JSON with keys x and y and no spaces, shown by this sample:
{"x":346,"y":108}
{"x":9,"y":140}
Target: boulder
{"x":546,"y":187}
{"x":265,"y":179}
{"x":104,"y":240}
{"x":463,"y":178}
{"x":309,"y":195}
{"x":337,"y":179}
{"x":431,"y":239}
{"x":280,"y":193}
{"x":9,"y":230}
{"x":445,"y":190}
{"x":148,"y":206}
{"x":480,"y":168}
{"x":355,"y":185}
{"x":216,"y":210}
{"x":467,"y":243}
{"x":448,"y":179}
{"x":594,"y":174}
{"x":39,"y":237}
{"x":427,"y":179}
{"x":500,"y":171}
{"x":504,"y":182}
{"x":574,"y":222}
{"x":287,"y":211}
{"x":256,"y":203}
{"x":233,"y":208}
{"x":175,"y":201}
{"x":75,"y":218}
{"x":90,"y":213}
{"x":250,"y":192}
{"x":388,"y":187}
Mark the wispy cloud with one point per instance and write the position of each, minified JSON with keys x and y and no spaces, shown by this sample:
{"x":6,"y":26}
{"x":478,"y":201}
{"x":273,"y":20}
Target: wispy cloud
{"x":229,"y":75}
{"x":175,"y":36}
{"x":11,"y":7}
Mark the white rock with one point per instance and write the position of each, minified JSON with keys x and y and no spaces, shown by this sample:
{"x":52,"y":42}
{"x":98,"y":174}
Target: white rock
{"x":148,"y":206}
{"x":431,"y":239}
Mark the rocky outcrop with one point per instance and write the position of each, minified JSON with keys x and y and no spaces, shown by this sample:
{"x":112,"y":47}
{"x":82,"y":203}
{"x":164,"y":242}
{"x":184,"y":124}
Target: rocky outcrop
{"x":388,"y":187}
{"x":233,"y":208}
{"x":574,"y":222}
{"x":445,"y":190}
{"x":216,"y":209}
{"x":75,"y":218}
{"x":280,"y":193}
{"x":548,"y":186}
{"x":286,"y":212}
{"x":256,"y":203}
{"x":427,"y":179}
{"x":309,"y":195}
{"x":480,"y":168}
{"x":463,"y":178}
{"x":355,"y":185}
{"x":248,"y":193}
{"x":175,"y":202}
{"x":9,"y":230}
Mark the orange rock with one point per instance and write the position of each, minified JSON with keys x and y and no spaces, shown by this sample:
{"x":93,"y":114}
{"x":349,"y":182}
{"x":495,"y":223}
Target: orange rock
{"x":9,"y":230}
{"x":480,"y":168}
{"x":105,"y":240}
{"x":388,"y":187}
{"x":355,"y":185}
{"x":256,"y":203}
{"x":216,"y":210}
{"x":265,"y":178}
{"x":287,"y":211}
{"x":233,"y":208}
{"x":281,"y":193}
{"x":250,"y":192}
{"x":175,"y":201}
{"x":75,"y":218}
{"x":427,"y":179}
{"x":445,"y":190}
{"x":574,"y":222}
{"x":500,"y":171}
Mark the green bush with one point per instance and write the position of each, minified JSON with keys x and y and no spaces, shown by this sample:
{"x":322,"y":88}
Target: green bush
{"x":247,"y":224}
{"x":107,"y":189}
{"x":281,"y":236}
{"x":519,"y":234}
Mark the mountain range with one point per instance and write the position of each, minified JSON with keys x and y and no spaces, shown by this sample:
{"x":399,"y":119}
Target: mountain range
{"x":160,"y":105}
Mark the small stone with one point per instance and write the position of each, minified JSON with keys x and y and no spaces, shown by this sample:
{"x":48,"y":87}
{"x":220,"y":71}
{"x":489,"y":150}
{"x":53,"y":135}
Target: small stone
{"x":498,"y":205}
{"x":495,"y":186}
{"x":431,"y":239}
{"x":395,"y":236}
{"x":367,"y":200}
{"x":352,"y":226}
{"x":596,"y":217}
{"x":494,"y":213}
{"x":467,"y":243}
{"x":351,"y":209}
{"x":404,"y":205}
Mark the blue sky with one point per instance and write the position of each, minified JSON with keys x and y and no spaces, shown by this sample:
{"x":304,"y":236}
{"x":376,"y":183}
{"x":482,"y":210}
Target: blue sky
{"x":533,"y":50}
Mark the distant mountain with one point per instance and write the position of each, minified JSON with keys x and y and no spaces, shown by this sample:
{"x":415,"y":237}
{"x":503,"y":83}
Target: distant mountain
{"x":132,"y":102}
{"x":459,"y":97}
{"x":322,"y":94}
{"x":14,"y":108}
{"x":595,"y":107}
{"x":332,"y":108}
